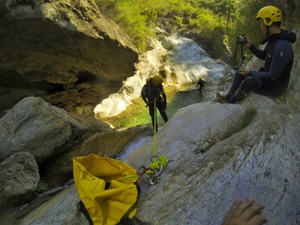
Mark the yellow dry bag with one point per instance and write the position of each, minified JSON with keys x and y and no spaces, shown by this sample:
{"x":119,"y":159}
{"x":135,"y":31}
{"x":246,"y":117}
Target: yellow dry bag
{"x":107,"y":188}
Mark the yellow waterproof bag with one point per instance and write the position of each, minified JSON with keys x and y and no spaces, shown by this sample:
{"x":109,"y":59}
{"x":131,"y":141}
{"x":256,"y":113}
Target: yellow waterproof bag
{"x":107,"y":188}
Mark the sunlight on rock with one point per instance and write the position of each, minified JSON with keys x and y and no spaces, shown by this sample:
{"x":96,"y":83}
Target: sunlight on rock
{"x":112,"y":106}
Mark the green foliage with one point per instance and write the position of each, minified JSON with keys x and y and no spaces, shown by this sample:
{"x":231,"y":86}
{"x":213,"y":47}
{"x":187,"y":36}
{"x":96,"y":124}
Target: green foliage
{"x":215,"y":24}
{"x":139,"y":17}
{"x":246,"y":23}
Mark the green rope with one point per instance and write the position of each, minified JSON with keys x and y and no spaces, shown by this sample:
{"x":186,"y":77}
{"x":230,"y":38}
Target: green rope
{"x":154,"y":130}
{"x":157,"y":162}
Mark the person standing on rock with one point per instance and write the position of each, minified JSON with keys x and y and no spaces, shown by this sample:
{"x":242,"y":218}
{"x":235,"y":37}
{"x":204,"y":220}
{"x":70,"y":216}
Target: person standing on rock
{"x":273,"y":78}
{"x":153,"y":95}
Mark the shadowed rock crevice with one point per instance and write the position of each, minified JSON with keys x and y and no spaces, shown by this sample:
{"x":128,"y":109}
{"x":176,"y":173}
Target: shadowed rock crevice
{"x":63,"y":64}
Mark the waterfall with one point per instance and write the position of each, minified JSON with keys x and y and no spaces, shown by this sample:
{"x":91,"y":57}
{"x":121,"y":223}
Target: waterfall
{"x":184,"y":61}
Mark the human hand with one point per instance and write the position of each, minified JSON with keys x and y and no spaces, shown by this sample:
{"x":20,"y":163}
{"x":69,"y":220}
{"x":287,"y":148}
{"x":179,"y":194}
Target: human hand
{"x":245,"y":213}
{"x":244,"y":72}
{"x":248,"y":43}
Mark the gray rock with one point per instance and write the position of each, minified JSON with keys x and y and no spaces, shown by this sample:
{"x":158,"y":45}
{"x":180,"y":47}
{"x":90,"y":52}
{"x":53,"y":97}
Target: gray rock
{"x":218,"y":153}
{"x":60,"y":209}
{"x":19,"y":178}
{"x":36,"y":127}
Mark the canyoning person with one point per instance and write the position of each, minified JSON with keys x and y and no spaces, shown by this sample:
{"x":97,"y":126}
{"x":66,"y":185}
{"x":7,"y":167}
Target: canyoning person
{"x":273,"y":78}
{"x":201,"y":83}
{"x":153,"y":94}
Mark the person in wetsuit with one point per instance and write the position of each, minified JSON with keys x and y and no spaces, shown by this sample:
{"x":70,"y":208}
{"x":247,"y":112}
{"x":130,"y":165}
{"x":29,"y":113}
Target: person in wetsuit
{"x":153,"y":95}
{"x":273,"y":78}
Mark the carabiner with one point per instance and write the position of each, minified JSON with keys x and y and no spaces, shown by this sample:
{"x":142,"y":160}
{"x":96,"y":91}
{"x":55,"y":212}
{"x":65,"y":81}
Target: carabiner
{"x":142,"y":170}
{"x":157,"y":172}
{"x":154,"y":180}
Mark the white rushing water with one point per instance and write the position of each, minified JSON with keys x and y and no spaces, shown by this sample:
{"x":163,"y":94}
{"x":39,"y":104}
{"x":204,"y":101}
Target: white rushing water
{"x":184,"y":61}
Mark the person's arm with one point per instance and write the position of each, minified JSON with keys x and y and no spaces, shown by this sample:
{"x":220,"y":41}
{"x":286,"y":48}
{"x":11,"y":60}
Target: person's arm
{"x":245,"y":213}
{"x":261,"y":54}
{"x":143,"y":94}
{"x":282,"y":55}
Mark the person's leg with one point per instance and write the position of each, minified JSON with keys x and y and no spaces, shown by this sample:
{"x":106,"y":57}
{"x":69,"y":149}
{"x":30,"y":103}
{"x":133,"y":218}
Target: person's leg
{"x":236,"y":83}
{"x":249,"y":84}
{"x":151,"y":112}
{"x":161,"y":107}
{"x":270,"y":89}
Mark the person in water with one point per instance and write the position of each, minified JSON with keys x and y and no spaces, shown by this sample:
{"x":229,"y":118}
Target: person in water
{"x":273,"y":78}
{"x":201,"y":83}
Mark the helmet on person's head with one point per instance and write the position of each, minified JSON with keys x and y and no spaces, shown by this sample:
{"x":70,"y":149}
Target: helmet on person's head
{"x":269,"y":15}
{"x":156,"y":80}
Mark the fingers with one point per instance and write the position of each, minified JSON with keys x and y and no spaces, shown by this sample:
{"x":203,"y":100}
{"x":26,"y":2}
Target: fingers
{"x":245,"y":213}
{"x":229,"y":216}
{"x":252,"y":212}
{"x":257,"y":219}
{"x":242,"y":207}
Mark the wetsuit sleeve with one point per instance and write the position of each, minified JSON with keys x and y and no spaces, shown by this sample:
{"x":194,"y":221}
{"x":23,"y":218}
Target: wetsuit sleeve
{"x":261,"y":54}
{"x":143,"y":94}
{"x":282,"y":55}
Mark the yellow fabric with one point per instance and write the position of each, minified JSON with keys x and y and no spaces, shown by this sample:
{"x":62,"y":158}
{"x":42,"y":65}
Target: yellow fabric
{"x":105,"y":206}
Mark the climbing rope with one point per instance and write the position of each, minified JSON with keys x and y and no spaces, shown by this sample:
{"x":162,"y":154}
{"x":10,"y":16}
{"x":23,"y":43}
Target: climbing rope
{"x":158,"y":163}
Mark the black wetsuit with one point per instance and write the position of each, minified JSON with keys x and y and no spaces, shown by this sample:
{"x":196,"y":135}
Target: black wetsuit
{"x":151,"y":93}
{"x":273,"y":78}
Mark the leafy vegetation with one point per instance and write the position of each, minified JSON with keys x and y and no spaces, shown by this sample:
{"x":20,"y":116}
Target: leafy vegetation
{"x":139,"y":17}
{"x":215,"y":24}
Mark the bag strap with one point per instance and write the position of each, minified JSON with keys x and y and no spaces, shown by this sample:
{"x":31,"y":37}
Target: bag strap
{"x":82,"y":208}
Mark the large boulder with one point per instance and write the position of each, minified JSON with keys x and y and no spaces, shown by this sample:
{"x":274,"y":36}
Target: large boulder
{"x":36,"y":127}
{"x":51,"y":136}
